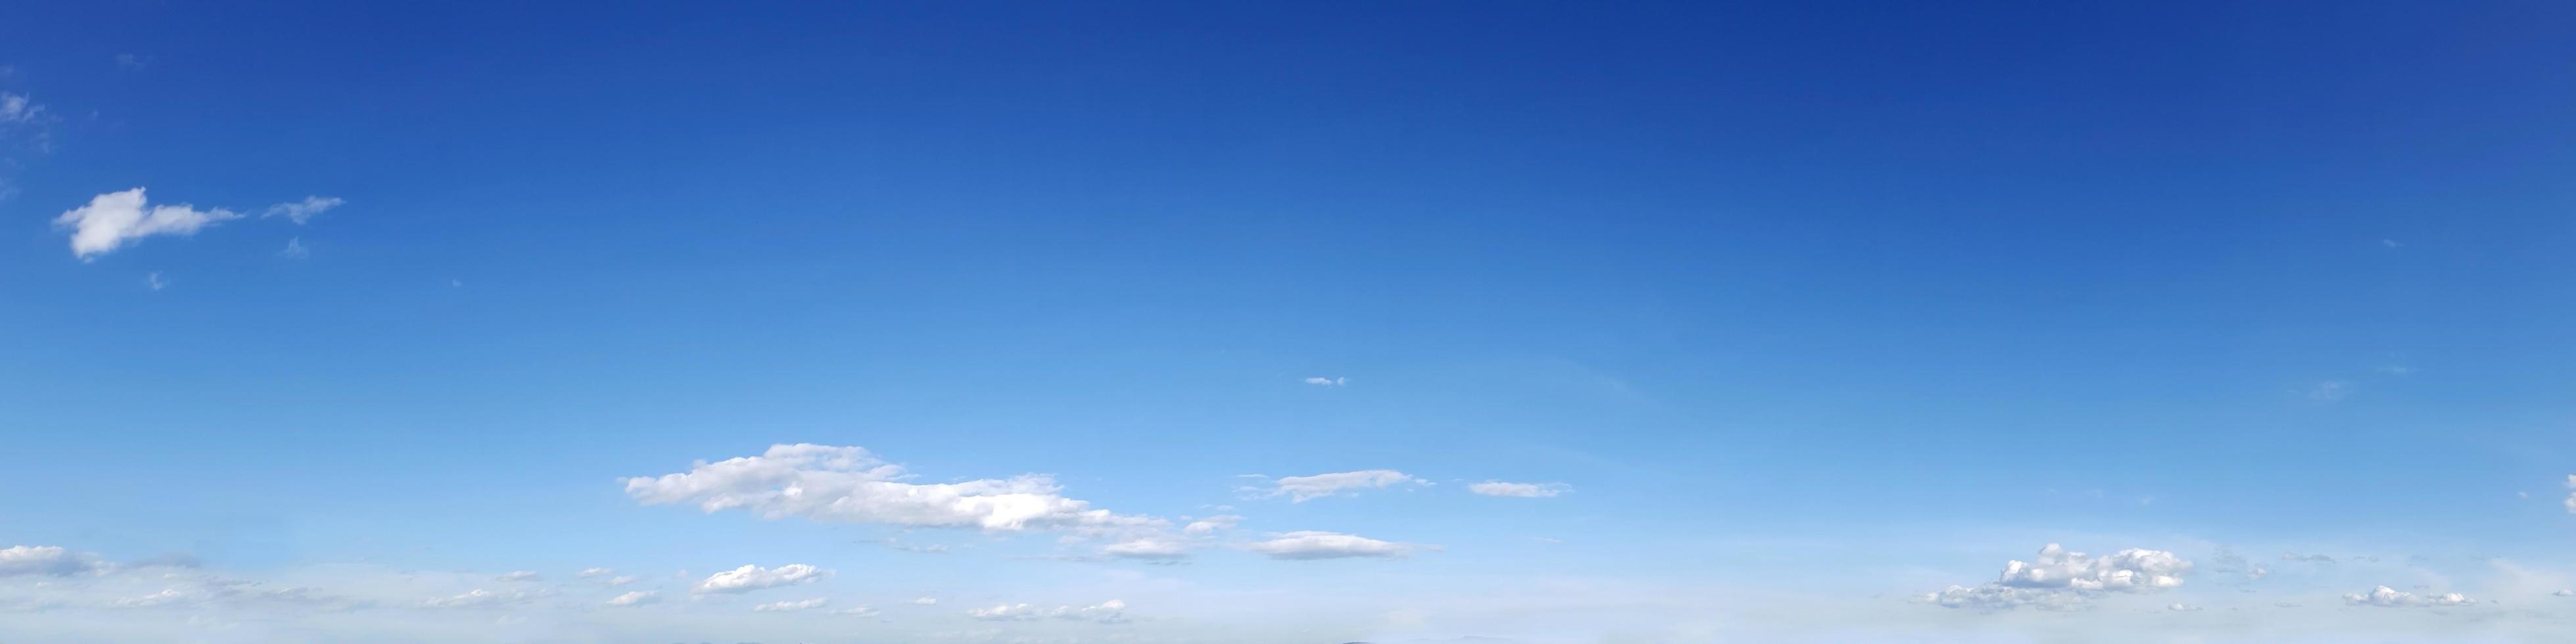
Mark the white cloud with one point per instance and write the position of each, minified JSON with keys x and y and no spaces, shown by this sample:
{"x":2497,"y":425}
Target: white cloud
{"x":2564,"y":593}
{"x":785,"y":606}
{"x":1207,"y":525}
{"x":926,"y":601}
{"x":480,"y":598}
{"x":18,"y":109}
{"x":2180,"y":607}
{"x":2386,"y":597}
{"x":294,"y":249}
{"x":1108,"y":612}
{"x":1321,"y":381}
{"x":827,"y":483}
{"x":153,"y":281}
{"x":2062,"y":579}
{"x":45,"y":560}
{"x":520,"y":576}
{"x":636,"y":598}
{"x":587,"y":573}
{"x":749,"y":578}
{"x":858,"y":611}
{"x":302,"y":211}
{"x":1331,"y":545}
{"x":2571,"y":496}
{"x":1522,"y":490}
{"x":1147,"y":548}
{"x":113,"y":219}
{"x":1300,"y":489}
{"x":622,"y":580}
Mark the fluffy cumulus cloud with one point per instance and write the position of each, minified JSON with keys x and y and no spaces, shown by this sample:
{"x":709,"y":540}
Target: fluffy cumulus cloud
{"x":749,"y":578}
{"x":847,"y":484}
{"x":46,"y":560}
{"x":1108,"y":612}
{"x":637,"y":598}
{"x":1520,"y":490}
{"x":2386,"y":597}
{"x":787,"y":606}
{"x":1301,"y":489}
{"x":2063,"y":579}
{"x":1331,"y":545}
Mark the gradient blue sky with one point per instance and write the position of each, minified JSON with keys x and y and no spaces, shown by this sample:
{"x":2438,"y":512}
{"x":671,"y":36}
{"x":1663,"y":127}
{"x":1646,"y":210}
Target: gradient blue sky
{"x":1811,"y":309}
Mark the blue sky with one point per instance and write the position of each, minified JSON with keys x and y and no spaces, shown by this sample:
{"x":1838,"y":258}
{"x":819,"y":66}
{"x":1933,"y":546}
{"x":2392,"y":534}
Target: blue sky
{"x":1788,"y":320}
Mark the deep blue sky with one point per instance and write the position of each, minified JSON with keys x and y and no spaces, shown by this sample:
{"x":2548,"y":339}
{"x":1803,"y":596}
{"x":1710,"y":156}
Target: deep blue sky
{"x":1828,"y":288}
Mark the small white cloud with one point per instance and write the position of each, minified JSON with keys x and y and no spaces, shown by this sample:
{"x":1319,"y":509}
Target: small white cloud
{"x":1321,"y":381}
{"x":2564,"y":593}
{"x":1209,"y":525}
{"x":1520,"y":490}
{"x":45,"y":560}
{"x":302,"y":211}
{"x":153,"y":281}
{"x":636,"y":598}
{"x":1300,"y":489}
{"x":18,"y":109}
{"x":2180,"y":607}
{"x":2389,"y":243}
{"x":785,"y":606}
{"x":1155,"y":548}
{"x":294,"y":249}
{"x":520,"y":576}
{"x":749,"y":578}
{"x":114,"y":219}
{"x":2386,"y":597}
{"x":1305,"y":545}
{"x":926,"y":601}
{"x":587,"y":573}
{"x":856,"y":611}
{"x":622,"y":580}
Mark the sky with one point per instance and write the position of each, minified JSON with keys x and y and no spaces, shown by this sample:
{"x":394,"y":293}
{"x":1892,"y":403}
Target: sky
{"x":1559,"y":323}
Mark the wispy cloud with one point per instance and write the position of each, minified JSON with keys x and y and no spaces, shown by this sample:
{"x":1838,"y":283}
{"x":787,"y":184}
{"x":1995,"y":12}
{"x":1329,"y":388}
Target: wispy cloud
{"x":1521,"y":490}
{"x":1321,"y":381}
{"x":1300,"y":489}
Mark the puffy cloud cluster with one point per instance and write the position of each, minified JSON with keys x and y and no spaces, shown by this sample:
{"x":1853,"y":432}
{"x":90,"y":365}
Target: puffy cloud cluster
{"x":1300,"y":489}
{"x":46,"y":560}
{"x":1108,"y":612}
{"x":749,"y":578}
{"x":2062,"y":579}
{"x":2386,"y":597}
{"x":1521,"y":490}
{"x":847,"y":484}
{"x":1331,"y":545}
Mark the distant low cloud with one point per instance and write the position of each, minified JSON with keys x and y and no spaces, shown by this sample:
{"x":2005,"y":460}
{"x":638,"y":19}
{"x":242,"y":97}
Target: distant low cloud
{"x":2061,"y":579}
{"x":520,"y":576}
{"x":294,"y":249}
{"x":587,"y":573}
{"x":926,"y":601}
{"x":1321,"y":381}
{"x":749,"y":578}
{"x":2570,"y":502}
{"x":1520,"y":490}
{"x":786,"y":606}
{"x":2386,"y":597}
{"x":1300,"y":489}
{"x":45,"y":560}
{"x":480,"y":598}
{"x":1151,"y":548}
{"x":1208,"y":525}
{"x":636,"y":598}
{"x":1108,"y":612}
{"x":1310,"y":544}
